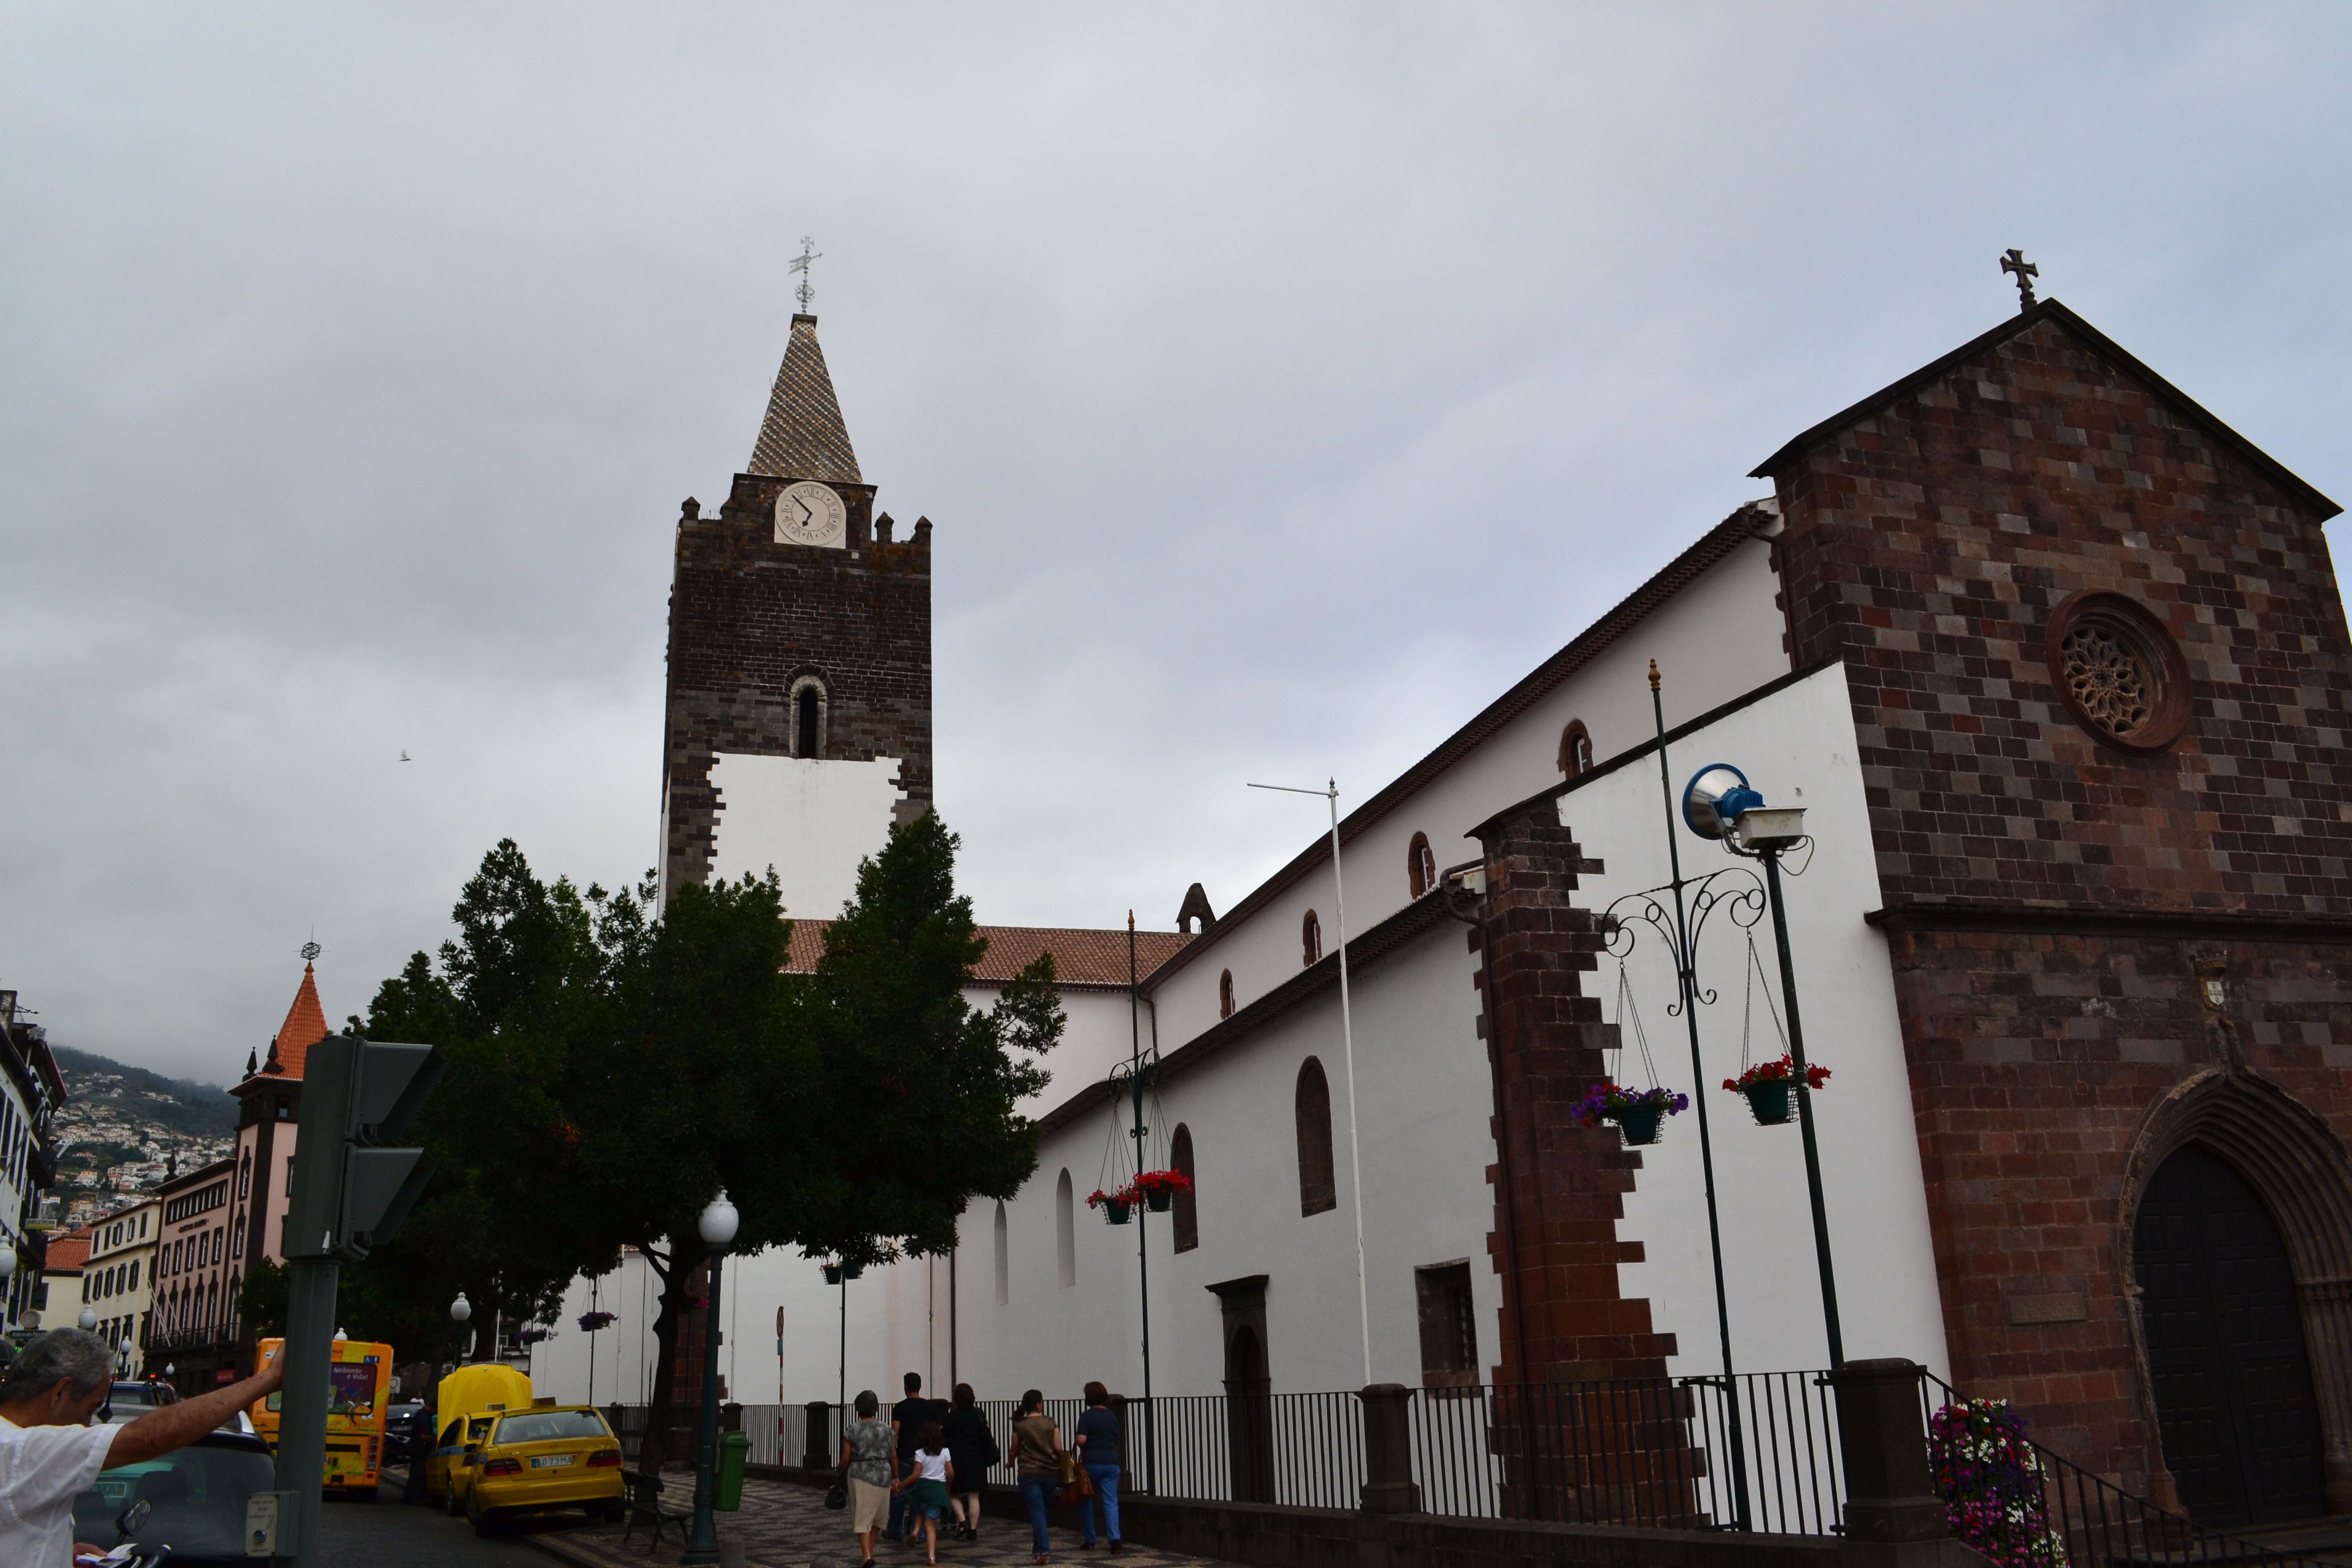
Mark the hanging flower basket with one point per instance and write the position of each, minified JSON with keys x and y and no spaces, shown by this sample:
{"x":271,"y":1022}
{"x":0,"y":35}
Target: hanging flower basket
{"x":1639,"y":1113}
{"x":592,"y":1321}
{"x":1116,"y":1206}
{"x":1159,"y":1188}
{"x":1772,"y":1089}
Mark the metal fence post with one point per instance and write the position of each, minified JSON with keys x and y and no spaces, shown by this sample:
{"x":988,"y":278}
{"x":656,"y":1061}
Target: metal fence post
{"x":1892,"y":1518}
{"x":1388,"y":1449}
{"x":817,"y":1454}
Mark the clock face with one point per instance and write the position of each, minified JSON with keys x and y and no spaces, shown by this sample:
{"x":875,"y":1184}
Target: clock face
{"x":811,"y":514}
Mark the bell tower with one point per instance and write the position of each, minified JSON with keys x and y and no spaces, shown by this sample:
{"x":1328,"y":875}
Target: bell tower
{"x":797,"y":723}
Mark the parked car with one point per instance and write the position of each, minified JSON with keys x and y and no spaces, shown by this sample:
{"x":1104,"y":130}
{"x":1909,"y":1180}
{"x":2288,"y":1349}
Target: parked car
{"x":549,"y":1457}
{"x":398,"y":1419}
{"x":197,"y":1496}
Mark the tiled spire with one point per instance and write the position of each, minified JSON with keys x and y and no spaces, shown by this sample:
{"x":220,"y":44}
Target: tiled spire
{"x":305,"y":1026}
{"x":802,"y":437}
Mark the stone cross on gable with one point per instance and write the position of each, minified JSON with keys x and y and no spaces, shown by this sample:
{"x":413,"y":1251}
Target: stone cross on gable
{"x":2026,"y":273}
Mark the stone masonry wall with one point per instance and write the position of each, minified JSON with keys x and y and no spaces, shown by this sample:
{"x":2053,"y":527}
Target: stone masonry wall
{"x":748,"y":616}
{"x":1927,"y":545}
{"x":1559,"y":1186}
{"x":2038,"y":1062}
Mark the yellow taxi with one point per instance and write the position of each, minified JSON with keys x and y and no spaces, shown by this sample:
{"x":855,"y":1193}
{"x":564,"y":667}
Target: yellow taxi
{"x":471,"y":1401}
{"x":550,"y":1455}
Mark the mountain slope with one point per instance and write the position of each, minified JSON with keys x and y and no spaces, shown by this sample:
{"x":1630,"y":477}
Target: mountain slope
{"x":97,"y":1084}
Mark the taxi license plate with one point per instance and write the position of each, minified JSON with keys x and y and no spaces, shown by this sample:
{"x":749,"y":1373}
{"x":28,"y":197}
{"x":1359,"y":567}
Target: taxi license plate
{"x":550,"y":1461}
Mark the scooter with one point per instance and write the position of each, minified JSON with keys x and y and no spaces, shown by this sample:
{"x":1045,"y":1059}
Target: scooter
{"x":126,"y":1554}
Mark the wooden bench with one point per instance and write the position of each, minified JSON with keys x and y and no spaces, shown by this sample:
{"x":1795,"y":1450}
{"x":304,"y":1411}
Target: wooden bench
{"x":643,"y":1500}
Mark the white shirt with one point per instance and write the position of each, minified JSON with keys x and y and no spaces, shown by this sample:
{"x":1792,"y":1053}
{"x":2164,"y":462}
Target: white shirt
{"x":42,"y":1471}
{"x":931,"y":1467}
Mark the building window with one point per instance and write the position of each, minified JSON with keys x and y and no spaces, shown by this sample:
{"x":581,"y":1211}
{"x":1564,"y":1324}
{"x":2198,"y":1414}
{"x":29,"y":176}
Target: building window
{"x":1225,"y":994}
{"x":1310,"y":939}
{"x":244,"y":1176}
{"x":1575,"y":750}
{"x":1004,"y":1260}
{"x":1318,"y":1189}
{"x":1066,"y":1231}
{"x":1449,"y":1327}
{"x":808,"y":711}
{"x":1420,"y":866}
{"x":1186,"y":1210}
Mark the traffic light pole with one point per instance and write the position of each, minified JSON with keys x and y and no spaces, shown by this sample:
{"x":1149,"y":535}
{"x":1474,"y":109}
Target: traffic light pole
{"x":349,"y":1192}
{"x":302,"y":1418}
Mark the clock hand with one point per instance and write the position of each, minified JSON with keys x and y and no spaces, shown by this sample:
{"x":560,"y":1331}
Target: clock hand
{"x":807,"y":515}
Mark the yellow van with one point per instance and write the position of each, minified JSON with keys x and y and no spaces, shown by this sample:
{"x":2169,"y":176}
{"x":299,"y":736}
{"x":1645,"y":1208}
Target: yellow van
{"x":469,"y":1403}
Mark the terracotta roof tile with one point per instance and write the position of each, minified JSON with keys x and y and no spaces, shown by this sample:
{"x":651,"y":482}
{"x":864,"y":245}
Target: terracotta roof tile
{"x":66,"y":1253}
{"x":305,"y":1026}
{"x":1081,"y":956}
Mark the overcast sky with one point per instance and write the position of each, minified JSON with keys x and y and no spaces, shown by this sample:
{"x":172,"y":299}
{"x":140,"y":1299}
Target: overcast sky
{"x":1284,"y":382}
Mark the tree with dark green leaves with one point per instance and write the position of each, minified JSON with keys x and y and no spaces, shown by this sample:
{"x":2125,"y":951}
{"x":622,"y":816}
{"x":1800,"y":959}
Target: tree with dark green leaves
{"x":614,"y":1066}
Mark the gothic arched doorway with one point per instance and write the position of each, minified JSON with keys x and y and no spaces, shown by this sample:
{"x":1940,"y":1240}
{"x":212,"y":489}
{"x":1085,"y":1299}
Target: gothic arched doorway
{"x":2239,"y":1421}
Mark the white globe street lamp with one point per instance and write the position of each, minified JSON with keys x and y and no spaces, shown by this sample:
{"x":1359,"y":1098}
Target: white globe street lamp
{"x":460,"y":1310}
{"x":88,"y":1319}
{"x":718,"y":1226}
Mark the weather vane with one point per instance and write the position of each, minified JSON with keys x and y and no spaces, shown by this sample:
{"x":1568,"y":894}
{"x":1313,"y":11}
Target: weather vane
{"x":800,"y":265}
{"x":310,"y":951}
{"x":2026,"y":273}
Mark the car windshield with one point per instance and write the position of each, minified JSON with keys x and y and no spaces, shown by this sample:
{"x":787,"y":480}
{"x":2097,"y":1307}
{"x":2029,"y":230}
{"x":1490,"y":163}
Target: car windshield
{"x":198,"y":1495}
{"x":130,"y":1393}
{"x":549,"y":1427}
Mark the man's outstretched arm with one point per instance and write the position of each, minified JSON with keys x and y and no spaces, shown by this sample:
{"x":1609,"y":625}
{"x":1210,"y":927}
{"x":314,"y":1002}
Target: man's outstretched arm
{"x":170,"y":1426}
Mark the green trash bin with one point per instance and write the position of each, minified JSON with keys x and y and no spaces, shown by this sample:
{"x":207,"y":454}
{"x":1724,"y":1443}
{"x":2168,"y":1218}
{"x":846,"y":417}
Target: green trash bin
{"x":734,"y":1452}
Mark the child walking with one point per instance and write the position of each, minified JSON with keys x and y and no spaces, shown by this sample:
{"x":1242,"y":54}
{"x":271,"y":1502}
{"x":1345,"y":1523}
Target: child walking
{"x":928,"y":1481}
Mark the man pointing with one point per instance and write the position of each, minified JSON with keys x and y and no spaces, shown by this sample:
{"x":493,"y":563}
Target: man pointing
{"x":49,"y":1453}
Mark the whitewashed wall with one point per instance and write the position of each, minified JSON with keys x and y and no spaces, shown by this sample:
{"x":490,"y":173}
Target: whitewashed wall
{"x":813,"y":820}
{"x":1718,"y":638}
{"x":1420,"y":1080}
{"x":1798,"y":747}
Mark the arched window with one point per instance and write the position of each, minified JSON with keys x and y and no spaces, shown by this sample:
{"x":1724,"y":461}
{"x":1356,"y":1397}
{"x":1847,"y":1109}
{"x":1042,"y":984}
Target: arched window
{"x":1310,"y":939}
{"x":1318,"y":1189}
{"x":1065,"y":1230}
{"x":244,"y":1176}
{"x":1575,"y":750}
{"x":1225,"y":994}
{"x":1420,"y":866}
{"x":808,"y":713}
{"x":1004,"y":1260}
{"x":1186,"y":1210}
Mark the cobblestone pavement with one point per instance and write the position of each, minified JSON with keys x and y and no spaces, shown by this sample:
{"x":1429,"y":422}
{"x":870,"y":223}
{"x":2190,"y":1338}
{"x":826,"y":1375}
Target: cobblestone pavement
{"x":785,"y":1525}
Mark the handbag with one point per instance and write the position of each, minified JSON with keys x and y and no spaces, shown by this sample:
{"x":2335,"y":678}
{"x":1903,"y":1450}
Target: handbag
{"x":839,"y":1496}
{"x":1076,"y":1485}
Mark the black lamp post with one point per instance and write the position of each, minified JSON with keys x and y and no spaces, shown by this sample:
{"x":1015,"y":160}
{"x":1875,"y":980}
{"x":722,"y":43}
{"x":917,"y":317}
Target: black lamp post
{"x":1719,"y":803}
{"x":718,"y":1228}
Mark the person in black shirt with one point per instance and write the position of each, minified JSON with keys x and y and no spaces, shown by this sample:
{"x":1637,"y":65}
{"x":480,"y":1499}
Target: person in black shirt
{"x":907,"y":1418}
{"x":1097,"y":1440}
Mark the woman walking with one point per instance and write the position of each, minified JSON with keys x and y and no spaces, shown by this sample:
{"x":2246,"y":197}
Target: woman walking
{"x":866,"y":1453}
{"x":1098,"y":1439}
{"x":928,"y":1484}
{"x":1038,"y":1447}
{"x":973,"y":1448}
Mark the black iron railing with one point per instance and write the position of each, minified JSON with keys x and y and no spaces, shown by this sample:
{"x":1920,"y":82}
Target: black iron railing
{"x":2099,"y":1525}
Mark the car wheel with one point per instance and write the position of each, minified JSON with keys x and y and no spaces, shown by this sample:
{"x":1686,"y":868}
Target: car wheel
{"x":477,"y":1516}
{"x":449,"y":1501}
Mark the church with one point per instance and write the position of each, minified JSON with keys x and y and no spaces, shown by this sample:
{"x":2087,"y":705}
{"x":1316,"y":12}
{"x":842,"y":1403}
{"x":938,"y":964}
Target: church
{"x":2055,"y":664}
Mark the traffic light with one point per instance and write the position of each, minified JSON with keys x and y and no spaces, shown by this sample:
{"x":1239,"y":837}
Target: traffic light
{"x":349,"y":1189}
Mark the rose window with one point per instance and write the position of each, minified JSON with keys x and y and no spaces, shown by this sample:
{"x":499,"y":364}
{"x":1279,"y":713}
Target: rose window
{"x":2108,"y":680}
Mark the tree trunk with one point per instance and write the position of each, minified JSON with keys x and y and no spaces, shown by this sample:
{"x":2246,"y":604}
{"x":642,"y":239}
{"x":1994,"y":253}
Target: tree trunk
{"x":653,"y":1448}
